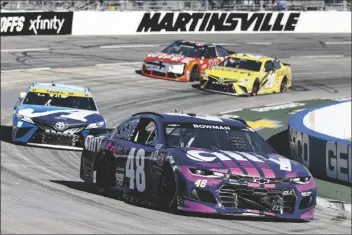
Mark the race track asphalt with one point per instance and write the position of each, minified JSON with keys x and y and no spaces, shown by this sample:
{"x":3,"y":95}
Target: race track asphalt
{"x":40,"y":188}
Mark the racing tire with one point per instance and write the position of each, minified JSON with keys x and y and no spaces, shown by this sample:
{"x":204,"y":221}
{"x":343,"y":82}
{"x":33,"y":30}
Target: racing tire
{"x":167,"y":199}
{"x":255,"y":88}
{"x":283,"y":86}
{"x":194,"y":74}
{"x":103,"y":176}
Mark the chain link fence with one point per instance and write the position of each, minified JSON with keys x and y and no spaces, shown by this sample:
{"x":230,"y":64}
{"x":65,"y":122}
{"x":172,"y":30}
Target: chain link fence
{"x":192,"y":5}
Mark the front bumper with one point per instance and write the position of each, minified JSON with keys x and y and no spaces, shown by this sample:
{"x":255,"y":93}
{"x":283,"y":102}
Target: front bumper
{"x":233,"y":89}
{"x":43,"y":135}
{"x":159,"y":74}
{"x":220,"y":196}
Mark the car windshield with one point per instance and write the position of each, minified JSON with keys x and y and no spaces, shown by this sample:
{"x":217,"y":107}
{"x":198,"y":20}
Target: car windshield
{"x":186,"y":50}
{"x":37,"y":98}
{"x":215,"y":137}
{"x":238,"y":63}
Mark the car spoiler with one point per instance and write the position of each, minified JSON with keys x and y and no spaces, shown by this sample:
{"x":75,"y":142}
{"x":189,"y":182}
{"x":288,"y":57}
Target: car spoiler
{"x":231,"y":52}
{"x":286,"y":64}
{"x":99,"y":131}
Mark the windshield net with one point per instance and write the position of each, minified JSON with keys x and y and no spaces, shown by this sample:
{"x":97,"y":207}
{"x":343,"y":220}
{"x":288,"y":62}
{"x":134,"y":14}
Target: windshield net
{"x":184,"y":50}
{"x":237,"y":63}
{"x":37,"y":98}
{"x":215,"y":137}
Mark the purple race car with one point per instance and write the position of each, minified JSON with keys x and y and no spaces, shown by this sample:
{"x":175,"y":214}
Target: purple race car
{"x":197,"y":163}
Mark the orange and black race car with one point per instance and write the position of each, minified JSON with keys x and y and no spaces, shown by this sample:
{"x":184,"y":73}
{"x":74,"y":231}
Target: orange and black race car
{"x":184,"y":61}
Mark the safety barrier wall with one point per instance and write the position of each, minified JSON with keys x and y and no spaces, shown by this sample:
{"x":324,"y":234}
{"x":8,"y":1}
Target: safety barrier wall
{"x":142,"y":22}
{"x":311,"y":141}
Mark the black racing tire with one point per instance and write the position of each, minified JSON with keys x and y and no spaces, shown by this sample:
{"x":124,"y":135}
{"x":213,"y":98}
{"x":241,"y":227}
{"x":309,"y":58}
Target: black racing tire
{"x":195,"y":76}
{"x":255,"y":88}
{"x":283,"y":85}
{"x":104,"y":175}
{"x":167,"y":198}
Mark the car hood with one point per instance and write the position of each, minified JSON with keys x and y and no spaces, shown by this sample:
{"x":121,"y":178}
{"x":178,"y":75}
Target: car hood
{"x":169,"y":58}
{"x":241,"y":163}
{"x":231,"y":73}
{"x":60,"y":114}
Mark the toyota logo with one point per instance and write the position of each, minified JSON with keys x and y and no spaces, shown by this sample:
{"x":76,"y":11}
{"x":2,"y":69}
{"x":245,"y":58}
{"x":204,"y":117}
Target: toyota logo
{"x":60,"y":126}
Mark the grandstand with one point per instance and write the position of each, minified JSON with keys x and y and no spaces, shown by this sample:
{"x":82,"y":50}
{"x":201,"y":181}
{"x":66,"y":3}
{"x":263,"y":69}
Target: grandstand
{"x":172,"y":5}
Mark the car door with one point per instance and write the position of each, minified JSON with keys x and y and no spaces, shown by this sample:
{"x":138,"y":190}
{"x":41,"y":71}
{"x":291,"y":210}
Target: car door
{"x":134,"y":164}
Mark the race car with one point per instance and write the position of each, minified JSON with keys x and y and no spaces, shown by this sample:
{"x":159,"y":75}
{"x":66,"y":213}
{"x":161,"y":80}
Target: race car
{"x":55,"y":115}
{"x":247,"y":75}
{"x":183,"y":61}
{"x":196,"y":163}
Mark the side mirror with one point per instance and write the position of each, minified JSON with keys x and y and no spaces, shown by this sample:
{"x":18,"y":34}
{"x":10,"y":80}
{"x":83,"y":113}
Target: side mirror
{"x":22,"y":95}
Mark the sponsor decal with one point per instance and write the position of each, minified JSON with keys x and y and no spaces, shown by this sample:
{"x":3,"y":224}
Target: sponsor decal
{"x":338,"y":161}
{"x":119,"y":178}
{"x":218,"y":22}
{"x":216,"y":127}
{"x":36,"y":23}
{"x":92,"y":143}
{"x":299,"y":147}
{"x":264,"y":123}
{"x":278,"y":107}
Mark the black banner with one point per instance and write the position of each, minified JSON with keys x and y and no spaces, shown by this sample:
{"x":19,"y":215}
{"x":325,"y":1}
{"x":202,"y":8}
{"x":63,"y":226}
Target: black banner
{"x":218,"y":22}
{"x":36,"y":23}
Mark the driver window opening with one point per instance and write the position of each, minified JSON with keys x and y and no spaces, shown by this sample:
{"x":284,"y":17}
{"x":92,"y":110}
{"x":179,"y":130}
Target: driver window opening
{"x":147,"y":133}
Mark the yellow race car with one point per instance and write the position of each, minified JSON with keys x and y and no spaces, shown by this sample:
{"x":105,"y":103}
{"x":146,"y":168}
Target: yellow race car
{"x":248,"y":75}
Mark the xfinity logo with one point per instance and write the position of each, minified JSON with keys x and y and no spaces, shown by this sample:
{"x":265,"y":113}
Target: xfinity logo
{"x":46,"y":24}
{"x":36,"y":23}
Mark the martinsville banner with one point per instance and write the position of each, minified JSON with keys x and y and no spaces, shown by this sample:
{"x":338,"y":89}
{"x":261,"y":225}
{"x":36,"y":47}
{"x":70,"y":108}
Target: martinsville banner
{"x":134,"y":23}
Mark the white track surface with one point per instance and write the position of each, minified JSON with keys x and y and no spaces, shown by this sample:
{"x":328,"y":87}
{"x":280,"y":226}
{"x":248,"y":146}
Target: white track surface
{"x":40,"y":188}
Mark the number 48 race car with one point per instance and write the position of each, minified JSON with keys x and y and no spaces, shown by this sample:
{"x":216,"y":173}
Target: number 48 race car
{"x":197,"y":163}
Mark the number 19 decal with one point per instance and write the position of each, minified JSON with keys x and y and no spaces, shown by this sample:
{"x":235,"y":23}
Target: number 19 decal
{"x":137,"y":175}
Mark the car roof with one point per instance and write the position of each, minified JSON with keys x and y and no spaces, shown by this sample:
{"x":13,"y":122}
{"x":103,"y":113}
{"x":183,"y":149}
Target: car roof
{"x":194,"y":118}
{"x":194,"y":43}
{"x":61,"y":87}
{"x":248,"y":56}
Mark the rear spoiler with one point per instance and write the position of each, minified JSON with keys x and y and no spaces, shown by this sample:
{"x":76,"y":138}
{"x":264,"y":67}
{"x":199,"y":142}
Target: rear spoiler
{"x":231,"y":52}
{"x":286,"y":64}
{"x":99,"y":131}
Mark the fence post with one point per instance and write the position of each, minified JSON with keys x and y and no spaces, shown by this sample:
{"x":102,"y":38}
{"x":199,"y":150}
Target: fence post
{"x":261,"y":5}
{"x":344,"y":5}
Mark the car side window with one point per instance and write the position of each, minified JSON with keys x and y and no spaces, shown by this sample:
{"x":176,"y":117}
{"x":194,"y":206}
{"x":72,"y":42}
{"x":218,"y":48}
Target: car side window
{"x":210,"y":52}
{"x":222,"y":52}
{"x":126,"y":130}
{"x":269,"y":66}
{"x":147,"y":133}
{"x":277,"y":64}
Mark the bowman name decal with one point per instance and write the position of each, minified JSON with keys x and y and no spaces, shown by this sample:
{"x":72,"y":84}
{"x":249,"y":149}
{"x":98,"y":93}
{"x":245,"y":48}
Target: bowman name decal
{"x":225,"y":21}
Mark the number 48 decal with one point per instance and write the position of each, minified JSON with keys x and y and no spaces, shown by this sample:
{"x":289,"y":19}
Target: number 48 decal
{"x":137,"y":175}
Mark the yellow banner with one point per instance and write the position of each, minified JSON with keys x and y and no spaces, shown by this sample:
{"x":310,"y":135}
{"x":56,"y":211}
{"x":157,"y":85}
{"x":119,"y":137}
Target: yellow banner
{"x":60,"y":93}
